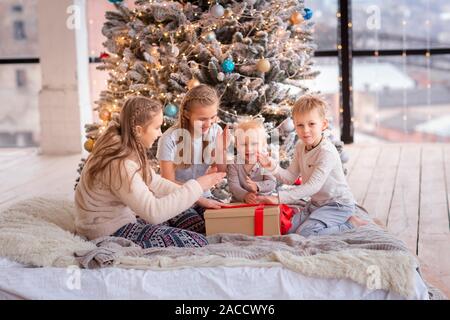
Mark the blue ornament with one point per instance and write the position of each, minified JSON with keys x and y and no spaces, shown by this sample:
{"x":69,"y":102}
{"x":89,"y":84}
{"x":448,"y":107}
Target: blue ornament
{"x":115,"y":1}
{"x":228,"y":66}
{"x":308,"y":14}
{"x":170,"y":110}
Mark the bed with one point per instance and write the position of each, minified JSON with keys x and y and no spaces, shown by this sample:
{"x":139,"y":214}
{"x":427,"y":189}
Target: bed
{"x":40,"y":258}
{"x":20,"y":282}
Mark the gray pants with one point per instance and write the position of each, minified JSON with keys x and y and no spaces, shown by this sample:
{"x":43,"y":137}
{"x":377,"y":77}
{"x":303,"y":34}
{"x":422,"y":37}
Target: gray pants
{"x":330,"y":218}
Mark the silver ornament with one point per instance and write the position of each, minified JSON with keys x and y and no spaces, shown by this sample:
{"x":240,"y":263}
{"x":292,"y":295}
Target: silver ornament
{"x":217,"y":10}
{"x":173,"y":50}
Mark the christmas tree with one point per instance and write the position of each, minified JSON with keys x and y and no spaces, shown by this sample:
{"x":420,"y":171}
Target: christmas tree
{"x":257,"y":54}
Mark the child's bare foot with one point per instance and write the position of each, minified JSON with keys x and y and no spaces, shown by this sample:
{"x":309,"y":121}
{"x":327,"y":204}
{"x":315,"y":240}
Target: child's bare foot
{"x":357,"y":222}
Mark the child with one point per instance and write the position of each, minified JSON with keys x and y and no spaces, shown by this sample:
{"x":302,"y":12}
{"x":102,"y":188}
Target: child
{"x":119,"y":195}
{"x":245,"y":178}
{"x":182,"y":148}
{"x":332,"y":206}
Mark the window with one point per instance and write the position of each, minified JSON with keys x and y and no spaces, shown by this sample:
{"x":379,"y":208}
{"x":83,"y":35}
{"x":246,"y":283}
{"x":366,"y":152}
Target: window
{"x":17,"y":8}
{"x":20,"y":75}
{"x":21,"y":78}
{"x":19,"y":30}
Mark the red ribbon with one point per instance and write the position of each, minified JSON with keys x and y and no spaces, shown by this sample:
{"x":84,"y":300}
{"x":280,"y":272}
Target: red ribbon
{"x":286,"y":214}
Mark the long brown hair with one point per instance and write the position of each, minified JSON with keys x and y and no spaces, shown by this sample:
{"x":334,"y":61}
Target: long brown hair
{"x":119,"y":141}
{"x":203,"y":95}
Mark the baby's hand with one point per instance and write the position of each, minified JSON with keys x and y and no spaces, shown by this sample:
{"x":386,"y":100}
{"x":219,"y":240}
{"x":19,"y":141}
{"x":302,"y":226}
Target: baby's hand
{"x":267,"y":199}
{"x":251,"y":184}
{"x":264,"y":160}
{"x":250,"y":198}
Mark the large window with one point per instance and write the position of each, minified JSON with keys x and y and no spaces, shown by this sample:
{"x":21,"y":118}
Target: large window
{"x":398,"y":70}
{"x":20,"y":78}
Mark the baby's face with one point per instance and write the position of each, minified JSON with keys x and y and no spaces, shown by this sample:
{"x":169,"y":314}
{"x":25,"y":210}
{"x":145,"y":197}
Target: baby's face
{"x":249,"y":145}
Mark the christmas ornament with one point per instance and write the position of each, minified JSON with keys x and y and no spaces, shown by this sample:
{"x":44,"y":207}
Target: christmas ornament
{"x":308,"y":14}
{"x":228,"y":66}
{"x":105,"y":115}
{"x":192,"y":83}
{"x":210,"y":36}
{"x":170,"y":110}
{"x":104,"y":55}
{"x":263,"y":65}
{"x":89,"y":145}
{"x":173,"y":50}
{"x":154,"y":51}
{"x":217,"y":10}
{"x":287,"y":125}
{"x":228,"y":12}
{"x":115,"y":1}
{"x":296,"y":18}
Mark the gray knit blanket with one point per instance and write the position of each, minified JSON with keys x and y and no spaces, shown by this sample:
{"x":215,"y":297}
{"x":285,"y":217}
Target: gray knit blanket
{"x":367,"y":255}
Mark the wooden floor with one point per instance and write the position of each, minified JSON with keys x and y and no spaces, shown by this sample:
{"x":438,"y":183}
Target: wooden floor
{"x":406,"y":186}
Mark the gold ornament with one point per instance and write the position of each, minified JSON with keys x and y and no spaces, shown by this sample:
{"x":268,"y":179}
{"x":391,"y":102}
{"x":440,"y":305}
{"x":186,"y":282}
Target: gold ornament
{"x":296,"y":18}
{"x":105,"y":115}
{"x":228,"y":12}
{"x":192,"y":83}
{"x":263,"y":65}
{"x":89,"y":145}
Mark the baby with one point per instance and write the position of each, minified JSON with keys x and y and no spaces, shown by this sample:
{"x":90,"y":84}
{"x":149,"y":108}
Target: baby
{"x":245,"y":177}
{"x":332,"y":205}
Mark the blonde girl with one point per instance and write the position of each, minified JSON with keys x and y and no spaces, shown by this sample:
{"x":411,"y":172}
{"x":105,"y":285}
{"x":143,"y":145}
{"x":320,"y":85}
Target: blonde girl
{"x":246,"y":178}
{"x":184,"y":148}
{"x":120,"y":195}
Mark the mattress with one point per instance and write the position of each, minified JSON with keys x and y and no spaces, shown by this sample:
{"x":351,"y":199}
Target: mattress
{"x":21,"y":282}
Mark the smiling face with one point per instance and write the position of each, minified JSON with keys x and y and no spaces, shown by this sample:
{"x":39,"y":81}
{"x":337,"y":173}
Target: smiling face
{"x":202,"y":117}
{"x":152,"y":131}
{"x":309,"y":126}
{"x":249,"y":142}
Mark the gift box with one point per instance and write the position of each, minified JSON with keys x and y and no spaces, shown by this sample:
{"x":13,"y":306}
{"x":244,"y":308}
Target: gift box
{"x":255,"y":220}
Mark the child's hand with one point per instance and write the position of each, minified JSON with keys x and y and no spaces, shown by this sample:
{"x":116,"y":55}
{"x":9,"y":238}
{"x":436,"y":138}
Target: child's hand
{"x":212,"y":169}
{"x":210,"y":180}
{"x":251,"y":184}
{"x":264,"y":160}
{"x":267,"y":199}
{"x":209,"y":203}
{"x":250,"y":198}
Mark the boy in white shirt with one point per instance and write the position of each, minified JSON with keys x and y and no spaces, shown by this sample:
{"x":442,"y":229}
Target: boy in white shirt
{"x":332,"y":205}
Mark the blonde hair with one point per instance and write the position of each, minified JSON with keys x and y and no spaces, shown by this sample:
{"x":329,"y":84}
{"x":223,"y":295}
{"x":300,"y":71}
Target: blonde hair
{"x":246,"y":124}
{"x":308,"y":103}
{"x":201,"y":95}
{"x":119,"y":141}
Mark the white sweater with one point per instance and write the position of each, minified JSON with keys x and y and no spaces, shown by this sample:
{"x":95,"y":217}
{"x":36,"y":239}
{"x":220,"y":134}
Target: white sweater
{"x":322,"y":175}
{"x":100,"y":211}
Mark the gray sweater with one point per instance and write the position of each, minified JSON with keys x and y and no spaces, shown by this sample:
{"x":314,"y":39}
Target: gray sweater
{"x":236,"y":176}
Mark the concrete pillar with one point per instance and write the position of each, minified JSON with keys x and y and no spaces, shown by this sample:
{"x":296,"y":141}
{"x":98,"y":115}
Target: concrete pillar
{"x":64,"y":98}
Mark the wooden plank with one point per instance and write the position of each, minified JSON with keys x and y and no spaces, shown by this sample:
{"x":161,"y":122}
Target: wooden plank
{"x":433,"y":195}
{"x":404,"y":210}
{"x":447,"y":175}
{"x":434,"y":258}
{"x":58,"y":180}
{"x":379,"y":194}
{"x":353,"y":152}
{"x":359,"y":178}
{"x":10,"y":160}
